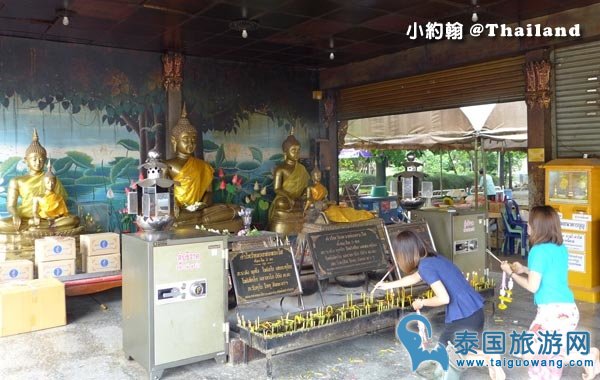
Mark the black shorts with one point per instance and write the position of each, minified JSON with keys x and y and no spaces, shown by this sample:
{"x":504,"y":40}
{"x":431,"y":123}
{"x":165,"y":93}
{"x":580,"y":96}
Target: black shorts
{"x":472,"y":323}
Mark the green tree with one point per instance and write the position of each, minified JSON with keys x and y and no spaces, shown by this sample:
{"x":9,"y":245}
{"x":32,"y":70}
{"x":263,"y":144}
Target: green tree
{"x":126,"y":85}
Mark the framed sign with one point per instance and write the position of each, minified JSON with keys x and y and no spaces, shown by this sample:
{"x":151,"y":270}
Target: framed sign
{"x":263,"y":274}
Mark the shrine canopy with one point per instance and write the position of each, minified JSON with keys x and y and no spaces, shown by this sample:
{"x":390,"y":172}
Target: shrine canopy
{"x":501,"y":126}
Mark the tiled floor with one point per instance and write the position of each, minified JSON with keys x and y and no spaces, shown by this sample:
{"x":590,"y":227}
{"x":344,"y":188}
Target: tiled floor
{"x":90,"y":347}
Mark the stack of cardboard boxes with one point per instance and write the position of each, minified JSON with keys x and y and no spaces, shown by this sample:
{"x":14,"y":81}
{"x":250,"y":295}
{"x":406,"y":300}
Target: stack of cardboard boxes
{"x":100,"y":252}
{"x":55,"y":256}
{"x":27,"y":304}
{"x":16,"y":270}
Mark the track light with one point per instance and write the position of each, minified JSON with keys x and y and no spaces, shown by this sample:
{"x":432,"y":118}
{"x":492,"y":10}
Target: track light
{"x":474,"y":16}
{"x":243,"y":25}
{"x":64,"y":15}
{"x":331,"y":56}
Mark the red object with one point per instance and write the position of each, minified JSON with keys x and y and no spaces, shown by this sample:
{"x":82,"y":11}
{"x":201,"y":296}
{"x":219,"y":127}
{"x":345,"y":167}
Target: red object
{"x":223,"y":185}
{"x":221,"y":173}
{"x":92,"y":285}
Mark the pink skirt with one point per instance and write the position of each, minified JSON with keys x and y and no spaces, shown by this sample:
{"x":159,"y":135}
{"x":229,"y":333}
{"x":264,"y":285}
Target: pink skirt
{"x":559,"y":317}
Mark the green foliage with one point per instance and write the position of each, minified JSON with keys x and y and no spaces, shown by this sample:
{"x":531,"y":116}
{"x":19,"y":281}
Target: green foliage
{"x":348,"y":164}
{"x":9,"y":166}
{"x":450,"y":180}
{"x":209,"y":146}
{"x":248,"y":166}
{"x":120,"y":168}
{"x":256,"y":154}
{"x":129,"y":144}
{"x":93,"y":181}
{"x":350,"y":177}
{"x":227,"y":164}
{"x":81,"y":159}
{"x":88,"y":80}
{"x":282,"y":94}
{"x":220,"y":157}
{"x":277,"y":157}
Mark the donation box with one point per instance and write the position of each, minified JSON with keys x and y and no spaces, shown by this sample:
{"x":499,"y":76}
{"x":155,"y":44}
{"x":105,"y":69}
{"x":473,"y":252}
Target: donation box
{"x":573,"y":189}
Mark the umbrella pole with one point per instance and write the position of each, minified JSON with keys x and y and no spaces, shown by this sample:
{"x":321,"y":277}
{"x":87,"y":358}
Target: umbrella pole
{"x":441,"y":173}
{"x":476,"y":187}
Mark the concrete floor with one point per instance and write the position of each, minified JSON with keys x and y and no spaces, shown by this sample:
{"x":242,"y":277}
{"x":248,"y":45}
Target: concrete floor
{"x":90,"y":347}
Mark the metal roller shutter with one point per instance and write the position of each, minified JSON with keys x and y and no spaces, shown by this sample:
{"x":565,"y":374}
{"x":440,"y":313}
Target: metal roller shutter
{"x":577,"y":100}
{"x":490,"y":82}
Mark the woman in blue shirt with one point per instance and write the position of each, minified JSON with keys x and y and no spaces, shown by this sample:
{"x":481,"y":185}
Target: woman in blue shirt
{"x":546,"y":277}
{"x":464,"y":306}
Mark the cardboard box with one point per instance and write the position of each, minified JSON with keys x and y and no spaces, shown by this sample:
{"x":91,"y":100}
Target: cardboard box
{"x":102,"y":263}
{"x":56,"y":268}
{"x":53,"y":248}
{"x":100,"y":244}
{"x":31,"y":305}
{"x":16,"y":270}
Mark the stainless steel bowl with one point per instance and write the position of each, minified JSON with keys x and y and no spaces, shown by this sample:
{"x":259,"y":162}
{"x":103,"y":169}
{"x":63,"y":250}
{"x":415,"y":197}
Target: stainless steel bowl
{"x":162,"y":223}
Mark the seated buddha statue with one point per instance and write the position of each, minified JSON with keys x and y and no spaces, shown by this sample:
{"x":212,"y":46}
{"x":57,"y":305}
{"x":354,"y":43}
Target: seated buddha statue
{"x":32,"y":186}
{"x":193,"y":191}
{"x":316,"y":194}
{"x":290,"y":183}
{"x":50,"y":210}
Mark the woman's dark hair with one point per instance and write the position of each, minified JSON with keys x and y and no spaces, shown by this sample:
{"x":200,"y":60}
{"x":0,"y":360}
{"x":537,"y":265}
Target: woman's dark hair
{"x":545,"y":226}
{"x":409,"y":249}
{"x":481,"y":171}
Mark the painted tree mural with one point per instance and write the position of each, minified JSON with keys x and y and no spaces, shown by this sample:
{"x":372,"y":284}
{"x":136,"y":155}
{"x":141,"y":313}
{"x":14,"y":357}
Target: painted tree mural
{"x":125,"y":85}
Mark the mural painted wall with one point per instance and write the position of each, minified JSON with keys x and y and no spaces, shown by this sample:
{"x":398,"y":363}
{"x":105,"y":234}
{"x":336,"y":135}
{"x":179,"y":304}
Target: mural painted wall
{"x":245,"y":113}
{"x":99,"y":110}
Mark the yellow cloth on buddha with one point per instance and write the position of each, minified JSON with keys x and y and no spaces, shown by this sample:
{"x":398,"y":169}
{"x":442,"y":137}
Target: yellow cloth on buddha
{"x":34,"y":187}
{"x":52,"y":206}
{"x":194,"y":179}
{"x":318,"y":192}
{"x":295,"y":184}
{"x":347,"y":214}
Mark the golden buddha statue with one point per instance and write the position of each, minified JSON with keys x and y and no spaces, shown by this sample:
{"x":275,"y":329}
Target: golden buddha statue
{"x":316,"y":194}
{"x":42,"y":211}
{"x":32,"y":186}
{"x":290,"y":183}
{"x":193,"y":193}
{"x":50,"y":210}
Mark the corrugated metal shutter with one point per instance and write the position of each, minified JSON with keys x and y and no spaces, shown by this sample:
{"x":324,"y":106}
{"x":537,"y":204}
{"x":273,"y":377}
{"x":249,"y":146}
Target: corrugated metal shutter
{"x":577,"y":100}
{"x":490,"y":82}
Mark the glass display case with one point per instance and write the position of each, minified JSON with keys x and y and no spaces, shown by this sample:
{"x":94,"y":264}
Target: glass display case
{"x":568,"y":186}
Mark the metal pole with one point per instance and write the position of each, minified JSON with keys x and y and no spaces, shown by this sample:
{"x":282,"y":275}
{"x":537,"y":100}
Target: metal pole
{"x":476,"y":176}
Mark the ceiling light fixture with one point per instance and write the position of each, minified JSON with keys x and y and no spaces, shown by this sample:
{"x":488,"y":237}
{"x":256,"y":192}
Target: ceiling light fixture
{"x":64,"y":15}
{"x":474,"y":16}
{"x":243,"y":25}
{"x":331,"y":45}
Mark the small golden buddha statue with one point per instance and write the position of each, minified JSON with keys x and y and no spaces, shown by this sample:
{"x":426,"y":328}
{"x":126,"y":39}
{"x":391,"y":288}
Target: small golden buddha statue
{"x":290,"y":183}
{"x":316,"y":194}
{"x":31,"y":186}
{"x":193,"y":193}
{"x":50,"y":210}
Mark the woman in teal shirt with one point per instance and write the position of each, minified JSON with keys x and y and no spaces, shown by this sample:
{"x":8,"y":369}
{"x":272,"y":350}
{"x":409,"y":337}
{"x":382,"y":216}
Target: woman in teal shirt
{"x":546,"y":277}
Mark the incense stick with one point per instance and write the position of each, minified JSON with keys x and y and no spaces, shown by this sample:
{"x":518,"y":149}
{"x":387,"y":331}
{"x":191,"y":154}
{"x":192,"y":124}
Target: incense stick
{"x":494,"y":256}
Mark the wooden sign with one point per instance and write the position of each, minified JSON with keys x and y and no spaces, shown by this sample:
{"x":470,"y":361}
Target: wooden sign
{"x":264,"y":273}
{"x":420,"y":228}
{"x":347,"y":250}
